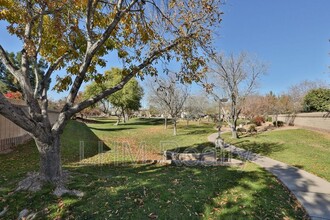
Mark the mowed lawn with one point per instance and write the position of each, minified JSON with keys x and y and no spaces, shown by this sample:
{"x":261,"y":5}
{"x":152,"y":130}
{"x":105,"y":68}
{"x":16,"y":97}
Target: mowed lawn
{"x":305,"y":149}
{"x":143,"y":191}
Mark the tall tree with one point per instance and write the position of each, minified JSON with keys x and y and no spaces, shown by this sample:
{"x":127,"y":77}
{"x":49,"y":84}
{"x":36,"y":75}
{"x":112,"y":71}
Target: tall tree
{"x":126,"y":100}
{"x":237,"y":76}
{"x":137,"y":31}
{"x":171,"y":95}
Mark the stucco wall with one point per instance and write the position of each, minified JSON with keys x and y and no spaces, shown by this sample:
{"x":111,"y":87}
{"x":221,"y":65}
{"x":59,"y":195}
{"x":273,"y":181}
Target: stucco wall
{"x":315,"y":120}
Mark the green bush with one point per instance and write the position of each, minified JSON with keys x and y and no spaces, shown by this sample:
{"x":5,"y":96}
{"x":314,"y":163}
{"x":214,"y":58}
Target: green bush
{"x":279,"y":123}
{"x":241,"y":130}
{"x":269,"y":119}
{"x":317,"y":100}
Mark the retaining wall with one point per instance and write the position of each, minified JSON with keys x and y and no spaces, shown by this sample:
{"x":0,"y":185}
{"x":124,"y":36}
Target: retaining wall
{"x":314,"y":120}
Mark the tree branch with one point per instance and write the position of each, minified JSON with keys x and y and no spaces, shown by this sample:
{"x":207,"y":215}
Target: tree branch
{"x":16,"y":114}
{"x":8,"y":64}
{"x":91,"y":51}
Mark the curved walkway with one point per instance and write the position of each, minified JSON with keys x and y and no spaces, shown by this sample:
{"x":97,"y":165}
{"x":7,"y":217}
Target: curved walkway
{"x":312,"y":192}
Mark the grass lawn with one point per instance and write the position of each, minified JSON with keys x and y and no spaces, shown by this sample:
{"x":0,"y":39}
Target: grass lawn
{"x":305,"y":149}
{"x":143,"y":191}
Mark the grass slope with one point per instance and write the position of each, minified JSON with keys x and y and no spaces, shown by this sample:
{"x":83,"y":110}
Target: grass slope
{"x":305,"y":149}
{"x":144,"y":191}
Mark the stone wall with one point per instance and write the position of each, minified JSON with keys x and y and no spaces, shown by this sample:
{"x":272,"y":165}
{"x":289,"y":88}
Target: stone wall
{"x":11,"y":134}
{"x":314,"y":120}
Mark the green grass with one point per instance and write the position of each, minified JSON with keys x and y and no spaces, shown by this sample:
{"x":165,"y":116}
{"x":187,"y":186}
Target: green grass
{"x":143,"y":191}
{"x":305,"y":149}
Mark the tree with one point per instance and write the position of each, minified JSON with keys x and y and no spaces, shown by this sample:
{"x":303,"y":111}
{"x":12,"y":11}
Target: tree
{"x":254,"y":105}
{"x":299,"y":91}
{"x":317,"y":100}
{"x":237,"y":76}
{"x":273,"y":106}
{"x":195,"y":107}
{"x":170,"y":95}
{"x":139,"y":32}
{"x":126,"y":100}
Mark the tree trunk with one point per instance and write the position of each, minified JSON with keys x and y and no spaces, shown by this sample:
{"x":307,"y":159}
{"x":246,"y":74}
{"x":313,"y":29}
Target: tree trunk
{"x":118,"y":120}
{"x":50,"y":159}
{"x":276,"y":120}
{"x":233,"y":128}
{"x":187,"y":122}
{"x":123,"y":113}
{"x":174,"y":126}
{"x":165,"y":122}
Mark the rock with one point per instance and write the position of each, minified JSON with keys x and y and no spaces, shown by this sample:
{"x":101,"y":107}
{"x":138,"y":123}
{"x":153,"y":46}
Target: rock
{"x":23,"y":214}
{"x":3,"y":212}
{"x":59,"y":191}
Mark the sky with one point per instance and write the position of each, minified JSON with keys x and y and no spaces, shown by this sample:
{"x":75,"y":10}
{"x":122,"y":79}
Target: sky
{"x":290,"y":36}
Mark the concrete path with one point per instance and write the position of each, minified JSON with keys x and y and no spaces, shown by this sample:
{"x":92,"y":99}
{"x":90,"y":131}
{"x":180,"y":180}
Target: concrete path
{"x":312,"y":192}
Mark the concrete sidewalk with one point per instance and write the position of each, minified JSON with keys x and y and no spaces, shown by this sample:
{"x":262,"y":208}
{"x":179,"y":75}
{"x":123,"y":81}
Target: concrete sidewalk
{"x":312,"y":192}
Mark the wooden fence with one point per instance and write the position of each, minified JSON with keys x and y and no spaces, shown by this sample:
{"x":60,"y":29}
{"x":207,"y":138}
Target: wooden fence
{"x":11,"y":134}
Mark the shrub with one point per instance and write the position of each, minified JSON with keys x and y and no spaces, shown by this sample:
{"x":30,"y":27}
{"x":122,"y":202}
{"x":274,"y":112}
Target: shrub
{"x":14,"y":95}
{"x":317,"y":100}
{"x":258,"y":120}
{"x":241,"y":130}
{"x":269,"y":119}
{"x":279,"y":123}
{"x":252,"y":128}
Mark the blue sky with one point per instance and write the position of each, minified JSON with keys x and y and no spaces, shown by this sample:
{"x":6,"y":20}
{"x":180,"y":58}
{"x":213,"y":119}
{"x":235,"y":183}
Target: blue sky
{"x":291,"y":36}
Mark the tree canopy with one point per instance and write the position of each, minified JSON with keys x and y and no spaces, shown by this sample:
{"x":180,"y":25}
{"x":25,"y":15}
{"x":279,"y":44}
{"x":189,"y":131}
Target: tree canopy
{"x":237,"y":77}
{"x":128,"y":98}
{"x":170,"y":96}
{"x":75,"y":36}
{"x":317,"y":100}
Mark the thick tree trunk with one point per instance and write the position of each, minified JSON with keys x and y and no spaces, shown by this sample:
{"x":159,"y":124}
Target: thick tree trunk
{"x":174,"y":127}
{"x":50,"y":159}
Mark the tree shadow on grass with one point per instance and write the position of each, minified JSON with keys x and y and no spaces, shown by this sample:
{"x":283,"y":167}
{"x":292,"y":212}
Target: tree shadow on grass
{"x":196,"y":148}
{"x":263,"y":148}
{"x":149,"y":121}
{"x":117,"y":128}
{"x":95,"y":121}
{"x":197,"y":132}
{"x":169,"y":192}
